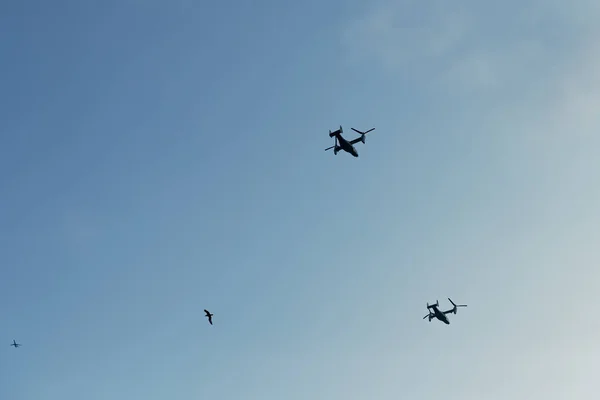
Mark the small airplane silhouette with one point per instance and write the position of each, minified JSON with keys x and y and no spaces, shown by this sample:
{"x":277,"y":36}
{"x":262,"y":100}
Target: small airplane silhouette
{"x":441,"y":315}
{"x":15,"y":344}
{"x":209,"y":315}
{"x":346,"y":145}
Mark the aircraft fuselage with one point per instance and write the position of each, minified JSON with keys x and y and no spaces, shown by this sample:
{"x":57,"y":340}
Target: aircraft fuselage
{"x":440,"y":315}
{"x":346,"y":146}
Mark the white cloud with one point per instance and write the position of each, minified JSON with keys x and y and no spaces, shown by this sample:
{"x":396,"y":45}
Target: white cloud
{"x":470,"y":47}
{"x":553,"y":111}
{"x":529,"y":70}
{"x":396,"y":35}
{"x":578,"y":95}
{"x":532,"y":77}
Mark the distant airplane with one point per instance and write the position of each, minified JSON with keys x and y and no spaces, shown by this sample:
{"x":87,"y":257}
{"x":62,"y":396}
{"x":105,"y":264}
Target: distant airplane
{"x":15,"y":344}
{"x":441,"y":315}
{"x":346,"y":145}
{"x":209,"y":315}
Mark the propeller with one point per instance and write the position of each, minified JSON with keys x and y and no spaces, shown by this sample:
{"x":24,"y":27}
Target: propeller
{"x":334,"y":144}
{"x":362,"y":133}
{"x":455,"y":305}
{"x":430,"y":315}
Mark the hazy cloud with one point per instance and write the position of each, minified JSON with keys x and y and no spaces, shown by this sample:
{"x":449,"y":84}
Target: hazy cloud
{"x":469,"y":46}
{"x":392,"y":34}
{"x":533,"y":64}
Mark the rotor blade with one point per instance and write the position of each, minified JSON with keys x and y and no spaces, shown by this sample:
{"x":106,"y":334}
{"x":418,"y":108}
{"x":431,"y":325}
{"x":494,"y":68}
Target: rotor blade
{"x":329,"y":148}
{"x":362,"y":133}
{"x":456,"y":305}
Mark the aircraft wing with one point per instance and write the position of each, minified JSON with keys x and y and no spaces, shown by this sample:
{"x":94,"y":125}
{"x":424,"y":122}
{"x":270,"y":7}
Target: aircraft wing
{"x":355,"y":141}
{"x":448,"y":312}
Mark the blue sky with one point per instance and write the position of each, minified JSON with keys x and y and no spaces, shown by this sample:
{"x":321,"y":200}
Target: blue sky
{"x":158,"y":158}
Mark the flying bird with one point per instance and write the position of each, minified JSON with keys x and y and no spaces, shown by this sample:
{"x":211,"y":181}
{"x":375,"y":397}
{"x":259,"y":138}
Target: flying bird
{"x":15,"y":344}
{"x":209,"y":315}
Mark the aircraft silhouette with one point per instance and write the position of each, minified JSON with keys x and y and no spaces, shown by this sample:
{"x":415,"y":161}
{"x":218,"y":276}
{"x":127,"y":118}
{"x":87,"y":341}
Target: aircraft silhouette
{"x":441,"y":315}
{"x":347,"y":146}
{"x":15,"y":344}
{"x":209,"y":315}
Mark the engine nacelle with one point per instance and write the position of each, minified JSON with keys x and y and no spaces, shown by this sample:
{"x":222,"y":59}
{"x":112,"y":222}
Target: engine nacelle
{"x":338,"y":132}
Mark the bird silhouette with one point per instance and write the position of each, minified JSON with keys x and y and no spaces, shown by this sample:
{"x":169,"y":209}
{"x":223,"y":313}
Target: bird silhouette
{"x":209,"y":315}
